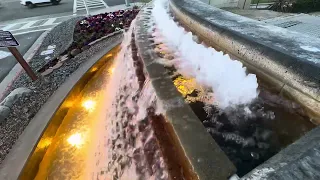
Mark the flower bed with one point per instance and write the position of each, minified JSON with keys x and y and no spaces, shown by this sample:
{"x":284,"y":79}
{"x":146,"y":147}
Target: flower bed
{"x":89,"y":30}
{"x":94,"y":27}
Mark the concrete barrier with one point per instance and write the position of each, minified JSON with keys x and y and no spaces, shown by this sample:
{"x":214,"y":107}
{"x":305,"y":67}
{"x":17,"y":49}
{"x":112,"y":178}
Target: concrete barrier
{"x":288,"y":60}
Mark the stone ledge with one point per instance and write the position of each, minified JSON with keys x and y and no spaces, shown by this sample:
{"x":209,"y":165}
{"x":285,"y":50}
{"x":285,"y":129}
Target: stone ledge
{"x":203,"y":154}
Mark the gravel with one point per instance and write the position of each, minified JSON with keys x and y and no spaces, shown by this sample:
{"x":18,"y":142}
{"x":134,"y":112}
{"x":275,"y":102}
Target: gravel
{"x":25,"y":108}
{"x":61,"y":37}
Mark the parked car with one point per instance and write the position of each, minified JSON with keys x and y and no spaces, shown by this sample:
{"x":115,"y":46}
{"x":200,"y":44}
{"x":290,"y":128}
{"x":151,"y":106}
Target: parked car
{"x":32,"y":3}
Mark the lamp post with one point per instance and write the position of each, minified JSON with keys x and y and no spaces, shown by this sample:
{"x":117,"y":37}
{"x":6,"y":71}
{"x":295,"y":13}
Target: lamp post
{"x":127,"y":3}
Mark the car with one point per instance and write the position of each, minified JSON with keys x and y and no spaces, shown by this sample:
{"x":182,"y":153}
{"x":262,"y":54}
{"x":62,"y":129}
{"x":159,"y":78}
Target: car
{"x":32,"y":3}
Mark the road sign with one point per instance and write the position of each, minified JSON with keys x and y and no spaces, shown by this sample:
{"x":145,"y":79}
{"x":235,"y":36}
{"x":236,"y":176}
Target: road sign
{"x":7,"y":40}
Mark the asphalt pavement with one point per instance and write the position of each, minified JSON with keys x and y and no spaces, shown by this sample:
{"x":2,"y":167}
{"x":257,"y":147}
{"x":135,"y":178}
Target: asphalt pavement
{"x":29,"y":24}
{"x":12,"y":10}
{"x":7,"y":62}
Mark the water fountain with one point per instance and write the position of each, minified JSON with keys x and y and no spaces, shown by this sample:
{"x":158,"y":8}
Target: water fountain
{"x":143,"y":113}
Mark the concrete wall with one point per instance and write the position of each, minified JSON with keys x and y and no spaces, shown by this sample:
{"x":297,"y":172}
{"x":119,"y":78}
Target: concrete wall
{"x":242,"y":4}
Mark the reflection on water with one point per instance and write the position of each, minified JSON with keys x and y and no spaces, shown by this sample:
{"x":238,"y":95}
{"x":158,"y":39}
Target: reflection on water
{"x":76,"y":140}
{"x":68,"y":152}
{"x":89,"y":105}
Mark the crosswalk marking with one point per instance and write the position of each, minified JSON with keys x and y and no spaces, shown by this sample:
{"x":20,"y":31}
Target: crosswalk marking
{"x":28,"y":25}
{"x":6,"y":28}
{"x":33,"y":25}
{"x":50,"y":21}
{"x":87,"y":5}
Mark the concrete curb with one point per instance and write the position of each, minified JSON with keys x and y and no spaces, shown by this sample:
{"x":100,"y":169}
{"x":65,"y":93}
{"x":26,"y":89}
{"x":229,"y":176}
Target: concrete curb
{"x":116,"y":8}
{"x":201,"y":157}
{"x":17,"y":69}
{"x":274,"y":54}
{"x":16,"y":160}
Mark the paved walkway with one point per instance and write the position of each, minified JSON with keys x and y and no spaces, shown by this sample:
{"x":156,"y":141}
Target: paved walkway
{"x":302,"y":23}
{"x":256,"y":14}
{"x":308,"y":24}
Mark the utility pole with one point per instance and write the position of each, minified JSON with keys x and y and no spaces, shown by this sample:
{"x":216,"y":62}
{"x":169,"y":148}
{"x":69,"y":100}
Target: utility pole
{"x":127,"y":3}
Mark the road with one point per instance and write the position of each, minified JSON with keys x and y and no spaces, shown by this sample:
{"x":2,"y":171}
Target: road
{"x":9,"y":10}
{"x":7,"y":61}
{"x":28,"y":24}
{"x":12,"y":9}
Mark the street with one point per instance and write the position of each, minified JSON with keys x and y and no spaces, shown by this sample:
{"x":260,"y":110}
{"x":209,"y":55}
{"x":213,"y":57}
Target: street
{"x":12,"y":10}
{"x":28,"y":24}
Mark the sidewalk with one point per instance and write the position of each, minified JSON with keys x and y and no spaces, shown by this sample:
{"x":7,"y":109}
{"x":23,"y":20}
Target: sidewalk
{"x":307,"y":24}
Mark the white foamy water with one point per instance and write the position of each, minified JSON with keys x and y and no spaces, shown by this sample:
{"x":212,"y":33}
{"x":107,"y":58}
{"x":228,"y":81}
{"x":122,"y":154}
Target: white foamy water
{"x":228,"y":79}
{"x":125,"y":134}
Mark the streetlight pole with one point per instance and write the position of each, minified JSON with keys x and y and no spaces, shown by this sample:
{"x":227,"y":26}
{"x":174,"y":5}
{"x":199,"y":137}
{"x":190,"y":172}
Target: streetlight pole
{"x":127,"y":3}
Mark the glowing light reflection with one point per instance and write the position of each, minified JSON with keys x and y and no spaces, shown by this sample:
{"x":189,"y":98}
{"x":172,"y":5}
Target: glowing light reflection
{"x":94,"y":69}
{"x":111,"y":70}
{"x":89,"y":105}
{"x":184,"y":86}
{"x":76,"y":140}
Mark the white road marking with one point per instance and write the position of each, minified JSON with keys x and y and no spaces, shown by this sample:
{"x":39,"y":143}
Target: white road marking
{"x":49,"y":22}
{"x":79,"y":5}
{"x":74,"y":7}
{"x":4,"y":54}
{"x":25,"y":32}
{"x":22,"y":27}
{"x":28,"y":25}
{"x":8,"y":27}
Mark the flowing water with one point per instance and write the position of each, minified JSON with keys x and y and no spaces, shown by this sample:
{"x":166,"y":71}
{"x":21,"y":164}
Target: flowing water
{"x":113,"y":132}
{"x":109,"y":134}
